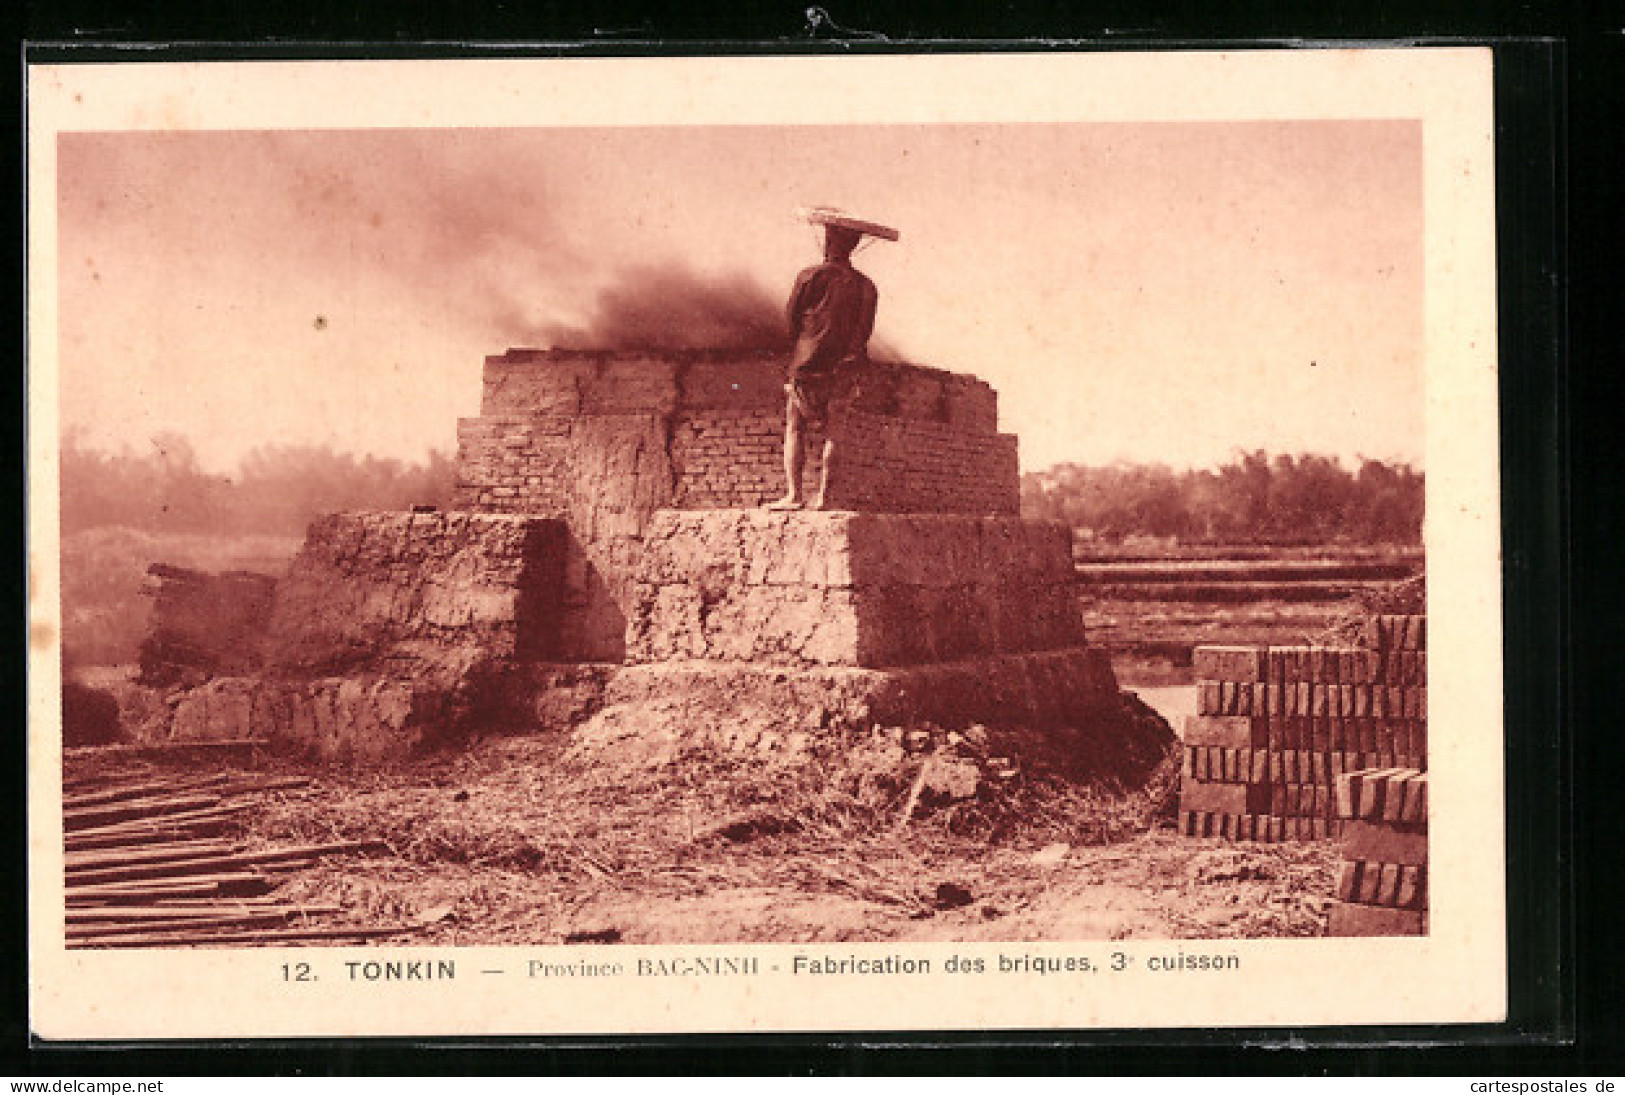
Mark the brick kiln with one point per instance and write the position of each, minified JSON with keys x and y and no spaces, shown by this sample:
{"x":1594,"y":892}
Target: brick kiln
{"x":605,"y":548}
{"x":602,"y":440}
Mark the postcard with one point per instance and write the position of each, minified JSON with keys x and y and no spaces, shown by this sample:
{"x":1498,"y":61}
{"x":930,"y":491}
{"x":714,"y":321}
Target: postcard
{"x":687,"y":545}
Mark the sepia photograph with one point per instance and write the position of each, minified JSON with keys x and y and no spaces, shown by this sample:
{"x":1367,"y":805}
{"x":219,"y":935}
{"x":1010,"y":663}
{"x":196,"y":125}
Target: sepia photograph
{"x":653,"y":547}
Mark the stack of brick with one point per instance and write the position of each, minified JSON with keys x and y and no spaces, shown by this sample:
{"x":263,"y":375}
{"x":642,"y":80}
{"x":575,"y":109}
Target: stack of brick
{"x":1277,"y":726}
{"x":1382,"y":886}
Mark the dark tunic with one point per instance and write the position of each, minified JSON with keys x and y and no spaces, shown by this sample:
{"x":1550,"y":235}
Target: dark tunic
{"x":832,"y":315}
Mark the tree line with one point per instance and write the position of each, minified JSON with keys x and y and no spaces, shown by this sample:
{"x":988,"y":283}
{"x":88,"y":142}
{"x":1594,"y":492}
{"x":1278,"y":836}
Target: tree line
{"x":1255,"y":498}
{"x":276,"y":490}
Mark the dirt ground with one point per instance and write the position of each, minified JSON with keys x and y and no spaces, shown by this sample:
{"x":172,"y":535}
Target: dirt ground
{"x":514,"y":842}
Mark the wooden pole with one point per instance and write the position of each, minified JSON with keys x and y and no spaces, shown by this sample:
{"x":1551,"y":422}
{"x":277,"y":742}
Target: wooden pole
{"x":99,"y":816}
{"x":296,"y":935}
{"x":154,"y":788}
{"x":204,"y":864}
{"x":120,"y":858}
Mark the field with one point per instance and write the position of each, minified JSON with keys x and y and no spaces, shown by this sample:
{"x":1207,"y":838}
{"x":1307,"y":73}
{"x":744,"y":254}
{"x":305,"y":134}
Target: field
{"x":1150,"y":607}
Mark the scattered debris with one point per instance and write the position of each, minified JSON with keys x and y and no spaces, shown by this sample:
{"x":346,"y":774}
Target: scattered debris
{"x":596,"y":935}
{"x":1051,"y":854}
{"x":913,"y":799}
{"x":1231,"y":865}
{"x":747,"y":826}
{"x":951,"y":779}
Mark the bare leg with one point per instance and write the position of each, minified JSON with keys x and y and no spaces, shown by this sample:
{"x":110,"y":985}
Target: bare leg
{"x":795,"y":458}
{"x":823,"y":473}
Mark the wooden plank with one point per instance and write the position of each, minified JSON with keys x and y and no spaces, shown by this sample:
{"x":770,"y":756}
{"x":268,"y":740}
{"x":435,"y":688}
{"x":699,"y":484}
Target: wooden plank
{"x":191,"y":913}
{"x":154,"y":788}
{"x":236,"y":920}
{"x":212,"y":864}
{"x":153,"y":838}
{"x":166,"y":821}
{"x":168,"y":749}
{"x":96,"y":816}
{"x":232,"y":882}
{"x":175,"y":838}
{"x":263,"y":786}
{"x":168,"y":895}
{"x":230,"y":900}
{"x":122,"y":858}
{"x":296,"y":935}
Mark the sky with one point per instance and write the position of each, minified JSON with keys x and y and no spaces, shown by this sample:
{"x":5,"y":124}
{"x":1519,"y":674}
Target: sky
{"x":1168,"y":292}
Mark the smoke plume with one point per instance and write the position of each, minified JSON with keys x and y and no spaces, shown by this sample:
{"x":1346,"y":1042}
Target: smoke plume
{"x":474,"y":229}
{"x":652,"y":308}
{"x":674,"y":308}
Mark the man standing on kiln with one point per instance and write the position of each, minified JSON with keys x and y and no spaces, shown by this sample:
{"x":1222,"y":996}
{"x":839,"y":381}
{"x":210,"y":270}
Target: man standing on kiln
{"x":832,"y":314}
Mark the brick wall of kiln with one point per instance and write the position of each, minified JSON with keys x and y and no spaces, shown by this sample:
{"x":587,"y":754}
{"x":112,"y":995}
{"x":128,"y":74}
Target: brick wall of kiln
{"x":914,"y":440}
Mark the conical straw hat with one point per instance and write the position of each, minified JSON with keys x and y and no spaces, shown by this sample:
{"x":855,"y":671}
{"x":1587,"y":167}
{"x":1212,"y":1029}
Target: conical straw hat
{"x":829,"y":216}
